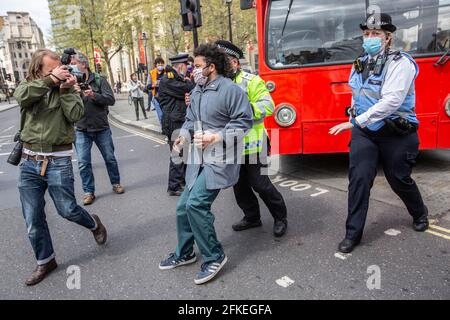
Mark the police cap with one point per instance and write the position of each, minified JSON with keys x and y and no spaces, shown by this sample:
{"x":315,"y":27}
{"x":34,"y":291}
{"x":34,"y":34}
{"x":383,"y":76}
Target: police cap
{"x":230,"y":49}
{"x":180,"y":58}
{"x":378,"y":21}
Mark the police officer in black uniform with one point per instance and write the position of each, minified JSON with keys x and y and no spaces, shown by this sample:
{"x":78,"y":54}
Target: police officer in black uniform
{"x":384,"y":128}
{"x":172,"y":90}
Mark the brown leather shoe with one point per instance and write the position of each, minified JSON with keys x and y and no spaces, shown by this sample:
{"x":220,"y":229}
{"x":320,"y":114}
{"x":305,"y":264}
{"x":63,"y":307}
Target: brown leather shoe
{"x":117,"y":188}
{"x":88,"y":198}
{"x":100,"y":233}
{"x":41,"y":272}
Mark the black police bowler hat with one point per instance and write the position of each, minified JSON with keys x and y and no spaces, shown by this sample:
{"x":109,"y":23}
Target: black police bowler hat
{"x":180,"y":58}
{"x":378,"y":21}
{"x":230,"y":48}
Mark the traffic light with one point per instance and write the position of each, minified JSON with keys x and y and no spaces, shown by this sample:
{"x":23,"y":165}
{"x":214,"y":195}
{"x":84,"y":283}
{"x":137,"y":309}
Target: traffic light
{"x":99,"y":67}
{"x":190,"y":14}
{"x":247,"y":4}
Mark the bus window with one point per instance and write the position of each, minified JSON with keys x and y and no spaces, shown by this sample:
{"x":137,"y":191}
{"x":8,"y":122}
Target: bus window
{"x":314,"y":32}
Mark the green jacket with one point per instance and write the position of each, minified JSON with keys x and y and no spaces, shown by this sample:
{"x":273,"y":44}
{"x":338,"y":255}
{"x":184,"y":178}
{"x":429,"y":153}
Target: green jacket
{"x":48,"y":114}
{"x":262,"y":105}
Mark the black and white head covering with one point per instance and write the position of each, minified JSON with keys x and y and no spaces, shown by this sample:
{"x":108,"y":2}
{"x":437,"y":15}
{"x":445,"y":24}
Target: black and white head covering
{"x":378,"y":21}
{"x":230,"y":49}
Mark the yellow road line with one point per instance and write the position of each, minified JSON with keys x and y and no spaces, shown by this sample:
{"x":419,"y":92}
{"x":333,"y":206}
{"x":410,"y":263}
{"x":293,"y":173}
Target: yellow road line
{"x":438,"y":234}
{"x":440,"y":228}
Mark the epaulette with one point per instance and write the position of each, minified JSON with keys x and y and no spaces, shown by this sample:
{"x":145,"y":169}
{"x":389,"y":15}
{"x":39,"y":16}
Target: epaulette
{"x":170,"y":75}
{"x":397,"y":55}
{"x":247,"y":76}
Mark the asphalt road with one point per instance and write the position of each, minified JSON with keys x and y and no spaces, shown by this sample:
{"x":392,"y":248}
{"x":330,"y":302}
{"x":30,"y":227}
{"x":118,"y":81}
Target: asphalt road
{"x":141,"y":226}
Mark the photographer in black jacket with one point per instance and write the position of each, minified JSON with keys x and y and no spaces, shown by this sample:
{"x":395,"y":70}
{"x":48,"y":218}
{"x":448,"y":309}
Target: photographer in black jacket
{"x":94,"y":127}
{"x":172,"y":90}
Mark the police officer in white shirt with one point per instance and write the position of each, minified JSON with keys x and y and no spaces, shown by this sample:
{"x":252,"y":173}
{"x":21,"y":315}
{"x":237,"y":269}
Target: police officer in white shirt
{"x":384,"y":127}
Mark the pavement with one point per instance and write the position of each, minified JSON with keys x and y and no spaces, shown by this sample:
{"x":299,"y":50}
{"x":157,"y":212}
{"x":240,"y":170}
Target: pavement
{"x":6,"y":106}
{"x":125,"y":113}
{"x":392,"y":262}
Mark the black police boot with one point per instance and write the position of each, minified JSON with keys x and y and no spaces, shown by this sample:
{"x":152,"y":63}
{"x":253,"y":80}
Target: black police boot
{"x":279,"y":227}
{"x":244,"y":225}
{"x":421,"y":224}
{"x":347,"y":245}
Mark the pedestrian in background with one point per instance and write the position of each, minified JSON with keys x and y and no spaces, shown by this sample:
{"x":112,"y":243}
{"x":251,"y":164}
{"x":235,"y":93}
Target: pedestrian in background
{"x":94,"y":127}
{"x":172,"y":90}
{"x":155,"y":78}
{"x":137,"y":94}
{"x":148,"y":90}
{"x":190,"y":68}
{"x":50,"y":104}
{"x":218,"y":109}
{"x":119,"y":87}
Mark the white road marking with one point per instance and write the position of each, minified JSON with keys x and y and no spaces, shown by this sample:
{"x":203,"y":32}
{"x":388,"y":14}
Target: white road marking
{"x":342,"y":256}
{"x":146,"y":136}
{"x":321,"y":191}
{"x":301,"y":187}
{"x":126,"y":136}
{"x":285,"y":282}
{"x":1,"y":172}
{"x":157,"y":146}
{"x":392,"y":232}
{"x":289,"y":183}
{"x":5,"y":154}
{"x":7,"y":129}
{"x":131,"y":150}
{"x":296,"y":186}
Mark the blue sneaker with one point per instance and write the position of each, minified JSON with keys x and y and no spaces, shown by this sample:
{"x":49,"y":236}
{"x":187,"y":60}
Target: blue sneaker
{"x":173,"y":262}
{"x":209,"y":270}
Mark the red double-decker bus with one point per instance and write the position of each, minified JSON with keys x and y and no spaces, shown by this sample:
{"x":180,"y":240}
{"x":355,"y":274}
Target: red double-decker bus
{"x":306,"y":50}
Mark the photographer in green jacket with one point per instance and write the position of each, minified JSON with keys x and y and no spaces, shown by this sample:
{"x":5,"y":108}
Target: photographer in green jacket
{"x":50,"y":104}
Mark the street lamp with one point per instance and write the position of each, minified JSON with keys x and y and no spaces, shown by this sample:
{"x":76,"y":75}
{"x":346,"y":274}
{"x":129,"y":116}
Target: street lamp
{"x":229,"y":2}
{"x":145,"y":38}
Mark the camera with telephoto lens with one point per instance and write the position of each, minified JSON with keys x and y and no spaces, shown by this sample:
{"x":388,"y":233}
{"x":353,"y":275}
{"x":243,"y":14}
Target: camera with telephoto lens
{"x":16,"y":153}
{"x":66,"y":59}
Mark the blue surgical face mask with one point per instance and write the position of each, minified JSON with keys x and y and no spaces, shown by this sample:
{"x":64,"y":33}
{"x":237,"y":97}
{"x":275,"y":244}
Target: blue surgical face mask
{"x":75,"y":68}
{"x":372,"y":45}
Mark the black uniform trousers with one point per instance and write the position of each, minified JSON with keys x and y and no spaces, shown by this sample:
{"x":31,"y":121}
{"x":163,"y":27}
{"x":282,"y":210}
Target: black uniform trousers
{"x":177,"y":173}
{"x":250,"y":180}
{"x":398,"y":156}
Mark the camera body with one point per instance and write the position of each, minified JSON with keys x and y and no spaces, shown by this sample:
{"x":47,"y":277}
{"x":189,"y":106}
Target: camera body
{"x":66,"y":59}
{"x":16,"y":154}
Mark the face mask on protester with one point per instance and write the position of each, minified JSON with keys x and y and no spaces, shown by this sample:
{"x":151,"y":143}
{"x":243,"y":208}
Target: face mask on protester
{"x":190,"y":68}
{"x":160,"y":68}
{"x":199,"y":78}
{"x":372,"y":45}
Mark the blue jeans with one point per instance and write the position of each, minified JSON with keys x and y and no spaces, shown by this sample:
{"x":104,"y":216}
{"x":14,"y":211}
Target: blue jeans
{"x":83,"y":145}
{"x":158,"y":109}
{"x":59,"y":181}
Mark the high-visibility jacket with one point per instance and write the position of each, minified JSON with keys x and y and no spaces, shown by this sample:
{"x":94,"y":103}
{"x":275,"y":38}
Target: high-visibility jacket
{"x":366,"y":94}
{"x":262,"y":105}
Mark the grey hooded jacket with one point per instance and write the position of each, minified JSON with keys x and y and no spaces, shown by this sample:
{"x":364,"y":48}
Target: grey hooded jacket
{"x":221,"y":107}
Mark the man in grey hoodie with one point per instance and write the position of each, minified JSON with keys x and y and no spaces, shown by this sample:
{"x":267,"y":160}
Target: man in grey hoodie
{"x":218,"y":118}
